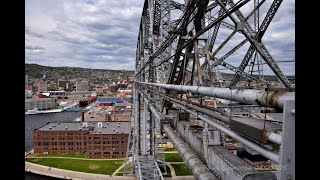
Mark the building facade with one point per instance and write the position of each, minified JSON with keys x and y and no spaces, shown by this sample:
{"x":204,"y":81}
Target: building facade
{"x":42,"y":86}
{"x":82,"y":86}
{"x":63,"y":83}
{"x":96,"y":139}
{"x":40,"y":103}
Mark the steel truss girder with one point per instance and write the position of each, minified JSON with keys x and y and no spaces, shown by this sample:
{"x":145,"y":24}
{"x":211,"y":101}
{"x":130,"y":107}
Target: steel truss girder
{"x":255,"y":45}
{"x":215,"y":32}
{"x":169,"y":40}
{"x":148,"y":168}
{"x":220,"y":18}
{"x":176,"y":5}
{"x":158,"y":45}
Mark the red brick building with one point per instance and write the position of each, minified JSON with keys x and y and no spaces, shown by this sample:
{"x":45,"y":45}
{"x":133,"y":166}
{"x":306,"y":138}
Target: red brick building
{"x":96,"y":139}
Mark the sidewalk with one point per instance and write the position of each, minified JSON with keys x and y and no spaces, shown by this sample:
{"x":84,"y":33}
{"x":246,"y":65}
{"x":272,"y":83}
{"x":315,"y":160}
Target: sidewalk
{"x":67,"y":174}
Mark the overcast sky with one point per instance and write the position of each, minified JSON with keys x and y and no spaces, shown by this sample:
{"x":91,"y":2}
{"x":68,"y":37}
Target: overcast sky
{"x":102,"y":34}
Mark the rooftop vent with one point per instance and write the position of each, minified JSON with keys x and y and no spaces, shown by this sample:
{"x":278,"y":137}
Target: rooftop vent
{"x":93,"y":122}
{"x":49,"y":127}
{"x":107,"y":123}
{"x":116,"y":131}
{"x":58,"y":122}
{"x":99,"y":131}
{"x":54,"y":125}
{"x":105,"y":126}
{"x":118,"y":125}
{"x":66,"y":127}
{"x":113,"y":129}
{"x":79,"y":128}
{"x":100,"y":124}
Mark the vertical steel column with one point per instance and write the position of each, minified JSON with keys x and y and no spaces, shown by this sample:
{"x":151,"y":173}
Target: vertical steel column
{"x":144,"y":130}
{"x":287,"y":154}
{"x":151,"y":134}
{"x":137,"y":120}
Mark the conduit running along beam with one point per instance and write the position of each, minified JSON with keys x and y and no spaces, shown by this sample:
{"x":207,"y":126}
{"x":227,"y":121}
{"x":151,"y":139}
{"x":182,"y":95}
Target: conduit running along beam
{"x":247,"y":96}
{"x":270,"y":136}
{"x":260,"y":149}
{"x":199,"y":170}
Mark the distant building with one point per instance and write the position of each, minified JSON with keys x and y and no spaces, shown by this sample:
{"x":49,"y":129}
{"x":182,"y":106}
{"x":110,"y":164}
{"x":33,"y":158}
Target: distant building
{"x":29,"y":87}
{"x":113,"y":88}
{"x":42,"y":86}
{"x":121,"y":95}
{"x":28,"y":91}
{"x":124,"y":105}
{"x":125,"y":91}
{"x":96,"y":139}
{"x":26,"y":81}
{"x":122,"y":85}
{"x":129,"y":86}
{"x":105,"y":90}
{"x":40,"y":103}
{"x":82,"y":86}
{"x":118,"y":117}
{"x":63,"y":83}
{"x":98,"y":90}
{"x":70,"y":86}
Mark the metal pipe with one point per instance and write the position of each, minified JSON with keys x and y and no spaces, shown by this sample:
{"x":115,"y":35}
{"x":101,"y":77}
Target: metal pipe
{"x":153,"y":110}
{"x":208,"y":112}
{"x":271,"y":136}
{"x":199,"y":170}
{"x":260,"y":149}
{"x":274,"y":138}
{"x":247,"y":96}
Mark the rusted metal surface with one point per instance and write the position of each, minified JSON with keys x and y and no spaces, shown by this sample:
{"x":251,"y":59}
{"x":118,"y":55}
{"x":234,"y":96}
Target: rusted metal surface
{"x":246,"y":96}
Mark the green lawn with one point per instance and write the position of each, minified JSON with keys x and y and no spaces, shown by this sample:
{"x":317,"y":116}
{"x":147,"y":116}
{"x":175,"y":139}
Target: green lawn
{"x":73,"y":155}
{"x":170,"y":149}
{"x":90,"y":166}
{"x":276,"y":148}
{"x":181,"y":169}
{"x":172,"y":157}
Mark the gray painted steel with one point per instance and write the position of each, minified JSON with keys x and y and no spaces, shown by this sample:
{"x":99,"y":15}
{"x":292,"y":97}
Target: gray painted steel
{"x":199,"y":170}
{"x":262,"y":150}
{"x":246,"y":96}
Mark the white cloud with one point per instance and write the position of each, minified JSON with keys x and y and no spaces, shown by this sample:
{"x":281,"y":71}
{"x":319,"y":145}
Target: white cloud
{"x":103,"y":33}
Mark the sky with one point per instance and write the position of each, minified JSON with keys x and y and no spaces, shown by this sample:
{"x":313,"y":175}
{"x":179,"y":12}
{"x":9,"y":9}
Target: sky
{"x":102,"y":34}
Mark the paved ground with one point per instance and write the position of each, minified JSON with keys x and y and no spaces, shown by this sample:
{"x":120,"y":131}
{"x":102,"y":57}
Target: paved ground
{"x":116,"y":171}
{"x":67,"y":174}
{"x":88,"y":159}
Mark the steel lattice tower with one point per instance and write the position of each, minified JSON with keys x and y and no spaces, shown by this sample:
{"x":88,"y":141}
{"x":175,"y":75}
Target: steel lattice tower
{"x":181,"y":49}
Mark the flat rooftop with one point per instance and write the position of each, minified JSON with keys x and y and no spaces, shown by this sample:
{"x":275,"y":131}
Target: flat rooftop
{"x":113,"y":127}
